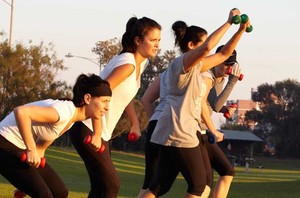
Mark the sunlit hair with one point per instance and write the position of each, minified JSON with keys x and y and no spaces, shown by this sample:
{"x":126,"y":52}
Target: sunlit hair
{"x":91,"y":84}
{"x":184,"y":34}
{"x":136,"y":28}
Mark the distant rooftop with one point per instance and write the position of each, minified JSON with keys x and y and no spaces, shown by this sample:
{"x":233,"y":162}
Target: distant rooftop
{"x":241,"y":135}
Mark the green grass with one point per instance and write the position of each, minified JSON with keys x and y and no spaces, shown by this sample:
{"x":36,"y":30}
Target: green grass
{"x":279,"y":179}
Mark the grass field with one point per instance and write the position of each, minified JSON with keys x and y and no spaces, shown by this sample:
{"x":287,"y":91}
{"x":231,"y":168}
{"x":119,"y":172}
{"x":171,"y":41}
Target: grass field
{"x":279,"y":179}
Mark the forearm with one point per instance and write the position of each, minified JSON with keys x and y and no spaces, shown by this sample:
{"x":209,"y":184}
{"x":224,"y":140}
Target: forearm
{"x":223,"y":96}
{"x":150,"y":96}
{"x":148,"y":107}
{"x":206,"y":117}
{"x":130,"y":110}
{"x":97,"y":127}
{"x":195,"y":56}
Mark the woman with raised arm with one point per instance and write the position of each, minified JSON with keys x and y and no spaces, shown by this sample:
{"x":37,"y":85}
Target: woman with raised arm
{"x":176,"y":130}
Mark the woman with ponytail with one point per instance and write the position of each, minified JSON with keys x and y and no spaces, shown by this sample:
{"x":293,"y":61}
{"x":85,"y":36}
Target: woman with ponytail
{"x":140,"y":42}
{"x":176,"y":131}
{"x":29,"y":129}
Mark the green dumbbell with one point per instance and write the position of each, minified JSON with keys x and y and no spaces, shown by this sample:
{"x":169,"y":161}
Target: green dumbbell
{"x":244,"y":18}
{"x":236,"y":19}
{"x":249,"y":29}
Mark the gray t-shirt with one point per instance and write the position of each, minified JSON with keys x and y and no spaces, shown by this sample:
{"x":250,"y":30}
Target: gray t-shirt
{"x":180,"y":118}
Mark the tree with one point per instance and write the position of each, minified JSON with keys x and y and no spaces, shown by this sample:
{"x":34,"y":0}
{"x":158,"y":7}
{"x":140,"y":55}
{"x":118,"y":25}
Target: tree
{"x":279,"y":116}
{"x":106,"y":50}
{"x":27,"y":74}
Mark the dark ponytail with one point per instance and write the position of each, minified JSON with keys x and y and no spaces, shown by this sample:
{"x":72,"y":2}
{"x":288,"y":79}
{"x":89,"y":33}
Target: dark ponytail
{"x":136,"y":28}
{"x":184,"y":34}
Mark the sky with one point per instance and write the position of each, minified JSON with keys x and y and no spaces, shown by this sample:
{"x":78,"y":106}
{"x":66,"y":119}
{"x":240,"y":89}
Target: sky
{"x":268,"y":54}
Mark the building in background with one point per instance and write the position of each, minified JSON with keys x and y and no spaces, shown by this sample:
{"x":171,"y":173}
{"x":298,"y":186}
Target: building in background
{"x":242,"y":107}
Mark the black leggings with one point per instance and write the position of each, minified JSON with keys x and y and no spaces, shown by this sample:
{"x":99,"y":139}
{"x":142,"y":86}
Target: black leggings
{"x":173,"y":160}
{"x":35,"y":182}
{"x":100,"y":168}
{"x":151,"y":155}
{"x":206,"y":160}
{"x":219,"y":161}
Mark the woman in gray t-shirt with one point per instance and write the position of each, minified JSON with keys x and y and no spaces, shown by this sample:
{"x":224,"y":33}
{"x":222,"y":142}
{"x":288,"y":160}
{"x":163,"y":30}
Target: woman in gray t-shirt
{"x":176,"y":129}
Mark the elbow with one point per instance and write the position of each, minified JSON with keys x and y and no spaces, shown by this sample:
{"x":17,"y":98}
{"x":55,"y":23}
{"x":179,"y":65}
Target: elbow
{"x":20,"y":110}
{"x":145,"y":101}
{"x":17,"y":110}
{"x":216,"y":109}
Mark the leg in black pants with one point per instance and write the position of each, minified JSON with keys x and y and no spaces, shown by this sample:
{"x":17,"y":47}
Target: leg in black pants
{"x":151,"y":155}
{"x":102,"y":173}
{"x":35,"y":182}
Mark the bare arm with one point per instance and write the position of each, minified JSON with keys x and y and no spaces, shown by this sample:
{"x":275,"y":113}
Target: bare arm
{"x":24,"y":116}
{"x":130,"y":110}
{"x":195,"y":56}
{"x":96,"y":142}
{"x":226,"y":51}
{"x":205,"y":114}
{"x":150,"y":96}
{"x":119,"y":74}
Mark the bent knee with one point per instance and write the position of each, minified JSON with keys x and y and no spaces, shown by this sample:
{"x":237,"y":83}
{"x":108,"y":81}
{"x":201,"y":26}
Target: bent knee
{"x":228,"y":172}
{"x":196,"y":189}
{"x":62,"y":193}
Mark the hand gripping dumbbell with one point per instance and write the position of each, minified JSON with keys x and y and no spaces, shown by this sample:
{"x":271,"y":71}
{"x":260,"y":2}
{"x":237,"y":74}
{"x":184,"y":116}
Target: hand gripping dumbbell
{"x":227,"y":114}
{"x":88,"y":140}
{"x":242,"y":19}
{"x":236,"y":19}
{"x":132,"y":137}
{"x":211,"y":137}
{"x":23,"y":158}
{"x":230,"y":70}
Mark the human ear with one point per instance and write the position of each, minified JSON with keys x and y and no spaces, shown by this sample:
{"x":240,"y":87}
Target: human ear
{"x":87,"y":98}
{"x":137,"y":41}
{"x":190,"y":45}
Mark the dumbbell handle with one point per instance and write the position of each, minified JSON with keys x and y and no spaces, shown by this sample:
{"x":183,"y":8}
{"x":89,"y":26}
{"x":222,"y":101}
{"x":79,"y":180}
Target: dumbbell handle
{"x":230,"y":70}
{"x":211,"y":137}
{"x":23,"y":158}
{"x":226,"y":114}
{"x":88,"y":140}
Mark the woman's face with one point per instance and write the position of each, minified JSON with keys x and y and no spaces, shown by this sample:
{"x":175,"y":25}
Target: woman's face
{"x":97,"y":106}
{"x":222,"y":69}
{"x":148,"y":47}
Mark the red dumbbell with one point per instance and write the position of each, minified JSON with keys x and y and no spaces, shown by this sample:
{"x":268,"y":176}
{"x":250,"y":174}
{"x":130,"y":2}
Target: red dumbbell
{"x":132,"y":137}
{"x":230,"y":70}
{"x":23,"y":158}
{"x":227,"y":114}
{"x":88,"y":140}
{"x":19,"y":194}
